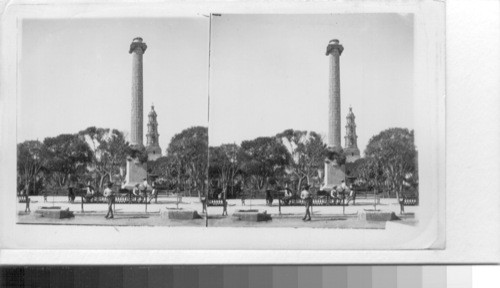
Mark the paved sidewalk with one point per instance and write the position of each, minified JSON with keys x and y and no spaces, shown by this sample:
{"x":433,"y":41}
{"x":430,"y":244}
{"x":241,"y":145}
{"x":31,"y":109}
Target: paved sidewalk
{"x":137,"y":215}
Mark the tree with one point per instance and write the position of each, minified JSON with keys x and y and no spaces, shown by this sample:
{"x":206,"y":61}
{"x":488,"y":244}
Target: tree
{"x":262,"y":160}
{"x":164,"y":170}
{"x":67,"y":157}
{"x":224,"y":165}
{"x":109,"y":152}
{"x":160,"y":167}
{"x":30,"y":157}
{"x":307,"y":154}
{"x":391,"y":161}
{"x":189,"y":153}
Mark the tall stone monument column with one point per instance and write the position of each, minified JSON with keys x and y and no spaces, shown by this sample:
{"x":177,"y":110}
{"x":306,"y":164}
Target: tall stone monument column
{"x":334,"y":173}
{"x":137,"y":49}
{"x":136,"y":171}
{"x":334,"y":50}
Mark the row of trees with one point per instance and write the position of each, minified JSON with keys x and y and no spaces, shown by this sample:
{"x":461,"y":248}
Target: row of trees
{"x":94,"y":154}
{"x":297,"y":157}
{"x":99,"y":155}
{"x":293,"y":157}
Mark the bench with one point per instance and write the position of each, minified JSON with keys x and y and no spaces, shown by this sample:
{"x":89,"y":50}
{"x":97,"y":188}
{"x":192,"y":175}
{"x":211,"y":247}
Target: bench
{"x":317,"y":201}
{"x":22,"y":198}
{"x":215,"y":202}
{"x":410,"y":201}
{"x":120,"y":198}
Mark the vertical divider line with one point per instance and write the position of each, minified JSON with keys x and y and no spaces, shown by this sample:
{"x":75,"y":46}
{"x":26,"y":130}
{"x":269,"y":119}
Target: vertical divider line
{"x":208,"y":118}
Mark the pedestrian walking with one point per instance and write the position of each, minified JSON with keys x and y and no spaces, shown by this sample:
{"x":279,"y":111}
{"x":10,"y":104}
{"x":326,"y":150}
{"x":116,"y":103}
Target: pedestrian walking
{"x":306,"y":196}
{"x":110,"y":196}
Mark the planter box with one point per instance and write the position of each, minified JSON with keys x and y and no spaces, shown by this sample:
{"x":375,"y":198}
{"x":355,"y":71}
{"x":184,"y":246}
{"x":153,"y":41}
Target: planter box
{"x":54,"y":212}
{"x":377,"y":215}
{"x":251,"y":215}
{"x":180,"y":214}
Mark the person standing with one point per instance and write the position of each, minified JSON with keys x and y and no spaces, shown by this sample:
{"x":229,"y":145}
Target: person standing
{"x":352,"y":194}
{"x":89,"y":192}
{"x":154,"y":193}
{"x":306,"y":196}
{"x":401,"y":204}
{"x":343,"y":192}
{"x":70,"y":194}
{"x":287,"y":195}
{"x":109,"y":194}
{"x":243,"y":197}
{"x":144,"y":190}
{"x":44,"y":193}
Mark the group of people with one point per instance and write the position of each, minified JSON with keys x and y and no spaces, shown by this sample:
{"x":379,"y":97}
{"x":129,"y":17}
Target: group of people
{"x":342,"y":192}
{"x":338,"y":193}
{"x":141,"y":191}
{"x":89,"y":193}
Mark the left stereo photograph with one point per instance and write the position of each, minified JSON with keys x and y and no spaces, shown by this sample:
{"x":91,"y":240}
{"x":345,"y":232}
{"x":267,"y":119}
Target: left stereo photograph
{"x":112,"y":121}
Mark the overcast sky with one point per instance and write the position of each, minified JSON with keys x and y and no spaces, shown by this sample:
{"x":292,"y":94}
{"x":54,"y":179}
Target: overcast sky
{"x":270,"y":73}
{"x":77,"y":73}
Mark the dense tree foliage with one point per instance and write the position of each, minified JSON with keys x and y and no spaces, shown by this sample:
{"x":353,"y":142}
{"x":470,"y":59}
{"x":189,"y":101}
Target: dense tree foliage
{"x":30,"y":161}
{"x":391,"y":161}
{"x":291,"y":157}
{"x":306,"y":155}
{"x":109,"y":151}
{"x":263,"y":160}
{"x":188,"y":152}
{"x":224,"y":166}
{"x":66,"y":158}
{"x":164,"y":171}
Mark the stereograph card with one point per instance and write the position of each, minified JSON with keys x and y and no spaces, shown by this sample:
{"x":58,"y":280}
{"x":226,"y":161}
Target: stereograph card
{"x":184,"y":132}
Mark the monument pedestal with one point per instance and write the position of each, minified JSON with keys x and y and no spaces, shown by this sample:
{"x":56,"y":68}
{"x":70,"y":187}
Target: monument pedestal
{"x":334,"y":174}
{"x":136,"y":173}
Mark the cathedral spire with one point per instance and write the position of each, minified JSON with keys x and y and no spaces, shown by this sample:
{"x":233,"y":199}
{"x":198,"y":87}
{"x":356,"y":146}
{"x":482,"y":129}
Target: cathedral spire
{"x":152,"y":142}
{"x":351,"y":139}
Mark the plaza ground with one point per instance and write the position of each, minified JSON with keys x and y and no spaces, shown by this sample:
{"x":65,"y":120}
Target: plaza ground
{"x":150,"y":215}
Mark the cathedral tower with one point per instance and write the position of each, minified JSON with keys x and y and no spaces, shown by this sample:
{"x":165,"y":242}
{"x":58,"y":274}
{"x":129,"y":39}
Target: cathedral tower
{"x":152,"y":141}
{"x":351,"y":150}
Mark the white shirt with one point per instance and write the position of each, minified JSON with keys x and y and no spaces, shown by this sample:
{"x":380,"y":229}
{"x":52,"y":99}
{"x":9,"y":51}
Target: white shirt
{"x":344,"y":187}
{"x":108,"y":192}
{"x":304,"y":194}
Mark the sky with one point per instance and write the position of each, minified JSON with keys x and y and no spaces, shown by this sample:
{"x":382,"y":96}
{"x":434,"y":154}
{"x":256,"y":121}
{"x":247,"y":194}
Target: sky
{"x":269,"y":73}
{"x":77,"y":73}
